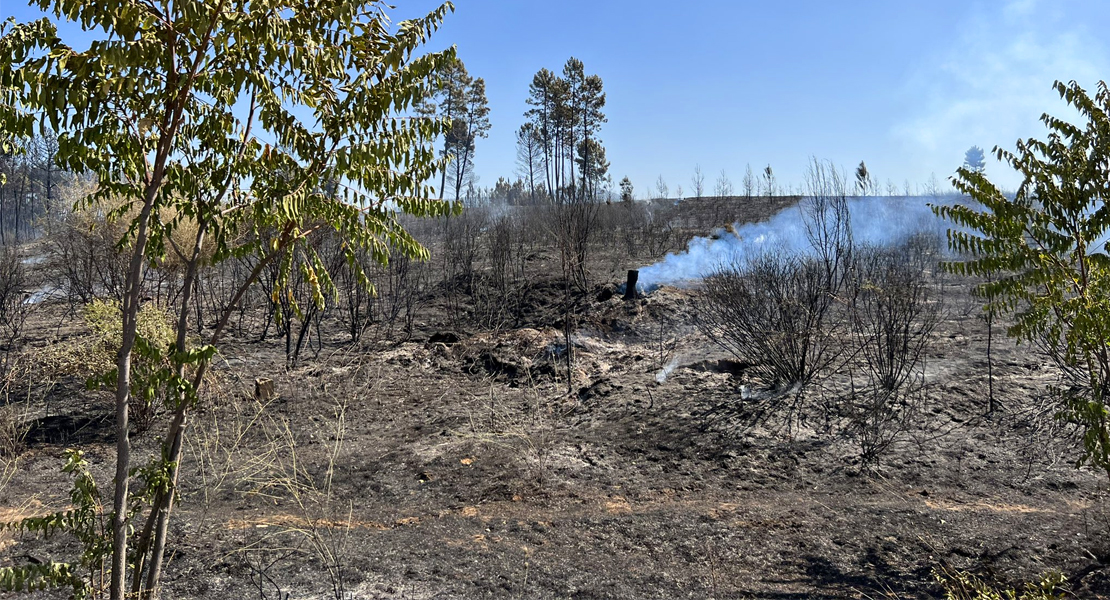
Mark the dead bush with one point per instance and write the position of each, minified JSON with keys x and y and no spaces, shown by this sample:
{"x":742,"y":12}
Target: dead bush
{"x":773,"y":313}
{"x":498,"y":296}
{"x":84,"y":254}
{"x":356,"y":303}
{"x":463,"y":250}
{"x":878,"y":418}
{"x":573,"y":225}
{"x":399,"y":286}
{"x":645,"y":231}
{"x":13,"y":305}
{"x":894,"y":314}
{"x":389,"y":308}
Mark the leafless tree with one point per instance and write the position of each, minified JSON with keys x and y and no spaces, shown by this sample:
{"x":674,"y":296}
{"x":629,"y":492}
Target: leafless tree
{"x":723,"y":186}
{"x":828,"y":222}
{"x":661,"y":187}
{"x":749,"y":183}
{"x":698,"y":182}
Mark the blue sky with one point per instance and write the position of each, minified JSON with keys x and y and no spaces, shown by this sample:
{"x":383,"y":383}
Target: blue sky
{"x":905,"y":86}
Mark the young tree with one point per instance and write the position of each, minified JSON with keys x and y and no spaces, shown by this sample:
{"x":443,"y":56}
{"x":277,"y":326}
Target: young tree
{"x":768,"y":181}
{"x":723,"y":187}
{"x":865,"y":186}
{"x":501,"y":191}
{"x":974,"y":160}
{"x":932,"y":187}
{"x":165,"y":109}
{"x":1045,"y":256}
{"x":749,"y":182}
{"x":529,"y":159}
{"x":517,"y":193}
{"x":661,"y":187}
{"x":627,"y":196}
{"x":698,"y":181}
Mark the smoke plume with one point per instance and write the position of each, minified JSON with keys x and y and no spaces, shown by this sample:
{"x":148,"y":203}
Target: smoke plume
{"x":876,"y":221}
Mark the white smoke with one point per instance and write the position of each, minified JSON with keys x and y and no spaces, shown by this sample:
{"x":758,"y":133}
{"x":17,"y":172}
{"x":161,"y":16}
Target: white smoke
{"x":876,"y":221}
{"x":666,"y":371}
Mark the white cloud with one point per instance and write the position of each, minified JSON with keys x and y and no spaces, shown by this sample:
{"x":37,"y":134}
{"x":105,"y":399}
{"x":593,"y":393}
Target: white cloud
{"x":993,"y":83}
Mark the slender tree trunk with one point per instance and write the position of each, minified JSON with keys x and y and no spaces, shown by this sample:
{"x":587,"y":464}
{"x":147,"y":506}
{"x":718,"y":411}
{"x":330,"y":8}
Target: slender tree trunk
{"x":130,"y":311}
{"x":570,"y":158}
{"x":557,"y":166}
{"x":443,"y":175}
{"x":175,"y":436}
{"x":3,"y":211}
{"x":991,"y":403}
{"x":531,"y":177}
{"x":546,"y":133}
{"x":586,"y":182}
{"x":19,"y":200}
{"x":164,"y":507}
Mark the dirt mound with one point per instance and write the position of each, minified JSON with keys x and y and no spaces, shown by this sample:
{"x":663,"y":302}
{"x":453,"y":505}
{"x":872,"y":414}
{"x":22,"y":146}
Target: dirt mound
{"x":512,"y":356}
{"x":531,"y":356}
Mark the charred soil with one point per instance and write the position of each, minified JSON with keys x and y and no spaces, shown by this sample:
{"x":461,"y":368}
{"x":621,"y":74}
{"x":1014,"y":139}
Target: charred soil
{"x":465,"y":462}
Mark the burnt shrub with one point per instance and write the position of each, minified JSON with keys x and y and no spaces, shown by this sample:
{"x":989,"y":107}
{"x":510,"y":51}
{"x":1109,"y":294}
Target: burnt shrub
{"x":775,"y":312}
{"x":13,"y":305}
{"x":85,"y":256}
{"x":894,"y":311}
{"x":893,"y":314}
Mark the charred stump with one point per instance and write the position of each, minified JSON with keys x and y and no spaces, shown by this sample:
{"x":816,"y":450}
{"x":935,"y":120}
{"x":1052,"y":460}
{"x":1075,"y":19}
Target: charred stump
{"x":630,"y":286}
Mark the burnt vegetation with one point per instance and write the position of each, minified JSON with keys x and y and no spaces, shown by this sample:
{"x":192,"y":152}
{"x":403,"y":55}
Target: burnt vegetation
{"x":518,"y":318}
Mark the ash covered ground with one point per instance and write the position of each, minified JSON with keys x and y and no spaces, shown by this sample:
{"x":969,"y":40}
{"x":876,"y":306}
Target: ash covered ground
{"x":465,"y":462}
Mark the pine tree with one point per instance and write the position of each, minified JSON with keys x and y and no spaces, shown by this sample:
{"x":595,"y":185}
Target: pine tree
{"x":974,"y":160}
{"x":530,"y":159}
{"x":627,"y":195}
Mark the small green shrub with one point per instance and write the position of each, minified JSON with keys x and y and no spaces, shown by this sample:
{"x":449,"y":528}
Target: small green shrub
{"x":105,"y":320}
{"x":155,"y":334}
{"x":86,"y":521}
{"x":961,"y":585}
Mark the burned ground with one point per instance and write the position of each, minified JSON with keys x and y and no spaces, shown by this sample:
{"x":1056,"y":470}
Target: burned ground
{"x":461,"y":463}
